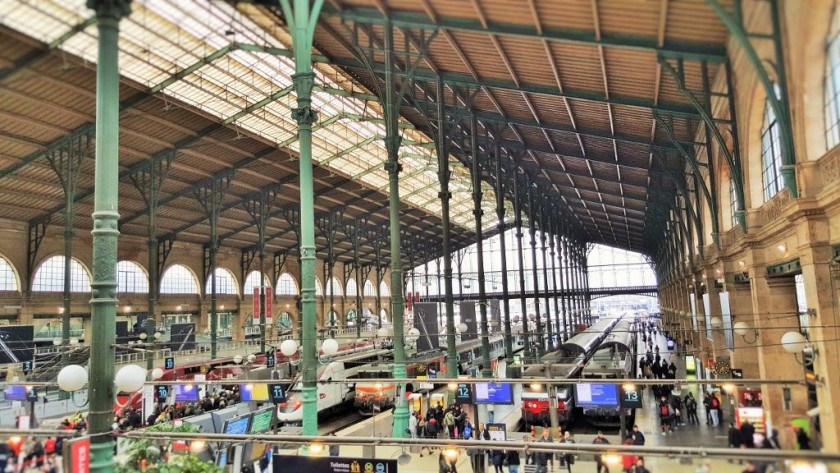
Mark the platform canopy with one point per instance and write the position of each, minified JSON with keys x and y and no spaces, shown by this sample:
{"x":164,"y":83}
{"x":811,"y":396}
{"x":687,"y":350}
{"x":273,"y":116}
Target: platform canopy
{"x":576,"y":93}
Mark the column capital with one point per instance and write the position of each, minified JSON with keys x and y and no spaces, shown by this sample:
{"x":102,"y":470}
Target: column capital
{"x":115,"y":9}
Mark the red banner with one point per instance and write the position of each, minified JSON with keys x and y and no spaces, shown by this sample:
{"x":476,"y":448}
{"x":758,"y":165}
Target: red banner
{"x":256,"y":313}
{"x":269,"y":309}
{"x":409,"y":299}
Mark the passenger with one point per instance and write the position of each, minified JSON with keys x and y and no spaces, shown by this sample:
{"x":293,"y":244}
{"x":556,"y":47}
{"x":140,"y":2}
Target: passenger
{"x":541,"y":458}
{"x":637,"y":436}
{"x":691,"y":408}
{"x":664,"y":415}
{"x":412,"y":425}
{"x":449,"y":422}
{"x":460,"y":421}
{"x":512,"y":457}
{"x":443,"y":464}
{"x":569,"y":458}
{"x":497,"y":458}
{"x":746,"y":433}
{"x":640,"y":466}
{"x":714,"y":405}
{"x":530,"y":458}
{"x":600,"y":440}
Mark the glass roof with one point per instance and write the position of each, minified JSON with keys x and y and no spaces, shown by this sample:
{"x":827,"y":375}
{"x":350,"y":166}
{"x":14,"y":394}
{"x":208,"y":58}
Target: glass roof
{"x":164,"y":44}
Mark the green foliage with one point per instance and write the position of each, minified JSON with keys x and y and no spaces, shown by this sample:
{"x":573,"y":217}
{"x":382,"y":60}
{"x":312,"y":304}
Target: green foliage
{"x":149,"y":452}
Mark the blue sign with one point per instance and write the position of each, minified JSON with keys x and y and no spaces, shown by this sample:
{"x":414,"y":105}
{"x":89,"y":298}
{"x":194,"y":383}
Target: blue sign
{"x":592,"y":394}
{"x":493,"y":393}
{"x":169,"y":363}
{"x":463,"y":393}
{"x":286,"y":463}
{"x":277,"y":392}
{"x":27,"y":366}
{"x":162,"y":393}
{"x":270,"y":359}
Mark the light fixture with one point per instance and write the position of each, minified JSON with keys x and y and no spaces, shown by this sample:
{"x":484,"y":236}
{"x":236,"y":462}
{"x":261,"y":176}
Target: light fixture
{"x":61,"y":310}
{"x":796,"y":343}
{"x":288,"y":348}
{"x":157,"y":373}
{"x":130,"y":379}
{"x":742,"y":329}
{"x":143,"y":336}
{"x":728,"y":388}
{"x":251,"y":358}
{"x":316,"y":447}
{"x":782,"y":247}
{"x":196,"y":446}
{"x":404,"y":458}
{"x":629,"y":387}
{"x":536,"y":386}
{"x":329,"y":347}
{"x":56,"y":341}
{"x":413,"y":335}
{"x":451,"y":453}
{"x":74,"y":341}
{"x":383,"y":332}
{"x":127,"y":309}
{"x":452,"y":386}
{"x":72,"y":378}
{"x":179,"y":308}
{"x":716,"y":322}
{"x":462,"y":327}
{"x":222,"y":307}
{"x":237,"y":359}
{"x":742,"y":263}
{"x":611,"y":459}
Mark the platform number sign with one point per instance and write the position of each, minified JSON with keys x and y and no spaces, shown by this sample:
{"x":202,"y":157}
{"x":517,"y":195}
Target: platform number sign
{"x":169,"y":363}
{"x":277,"y":393}
{"x":27,"y":366}
{"x":631,"y":398}
{"x":162,"y":393}
{"x":463,"y":393}
{"x":270,"y":359}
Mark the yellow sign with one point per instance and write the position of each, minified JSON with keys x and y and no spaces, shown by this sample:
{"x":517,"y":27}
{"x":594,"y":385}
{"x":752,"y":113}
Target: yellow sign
{"x":354,"y":467}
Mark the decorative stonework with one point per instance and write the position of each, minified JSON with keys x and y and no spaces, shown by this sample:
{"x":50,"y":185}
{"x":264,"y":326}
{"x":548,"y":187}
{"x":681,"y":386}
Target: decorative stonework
{"x":775,"y":208}
{"x":830,"y":166}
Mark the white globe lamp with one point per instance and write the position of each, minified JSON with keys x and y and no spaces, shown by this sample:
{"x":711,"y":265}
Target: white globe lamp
{"x":794,"y":342}
{"x":237,"y":359}
{"x":413,"y":334}
{"x":130,"y":379}
{"x":383,"y":333}
{"x":72,"y":378}
{"x":288,"y":348}
{"x":251,"y":358}
{"x":462,"y":327}
{"x":329,"y":347}
{"x":716,"y":322}
{"x":157,"y":373}
{"x":741,"y":328}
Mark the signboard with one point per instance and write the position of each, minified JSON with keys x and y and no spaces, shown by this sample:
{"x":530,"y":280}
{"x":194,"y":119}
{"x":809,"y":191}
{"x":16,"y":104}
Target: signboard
{"x":27,"y":366}
{"x":169,"y":363}
{"x":268,"y":305}
{"x":287,"y":463}
{"x":755,"y":415}
{"x":185,"y":393}
{"x":498,"y":432}
{"x":76,"y":454}
{"x":426,"y":321}
{"x":690,"y":364}
{"x":162,"y":393}
{"x":261,"y":421}
{"x":277,"y":392}
{"x":493,"y":393}
{"x":182,"y":337}
{"x":707,"y":315}
{"x":463,"y":394}
{"x":592,"y":394}
{"x":737,"y":373}
{"x":692,"y":302}
{"x":16,"y":342}
{"x":148,"y":400}
{"x":631,"y":399}
{"x":270,"y":359}
{"x":468,"y":318}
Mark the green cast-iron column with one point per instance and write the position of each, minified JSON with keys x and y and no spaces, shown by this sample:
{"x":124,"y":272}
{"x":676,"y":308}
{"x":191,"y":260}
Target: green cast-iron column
{"x":517,"y":204}
{"x":548,"y":324}
{"x":393,"y":140}
{"x":486,"y":371}
{"x":500,"y":215}
{"x":105,"y":235}
{"x":553,"y":228}
{"x":562,"y":293}
{"x":301,"y":20}
{"x":446,"y":229}
{"x":532,"y":231}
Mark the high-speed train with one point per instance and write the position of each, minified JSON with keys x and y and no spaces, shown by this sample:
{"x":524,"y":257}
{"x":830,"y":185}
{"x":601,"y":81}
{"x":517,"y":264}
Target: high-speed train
{"x":573,"y":360}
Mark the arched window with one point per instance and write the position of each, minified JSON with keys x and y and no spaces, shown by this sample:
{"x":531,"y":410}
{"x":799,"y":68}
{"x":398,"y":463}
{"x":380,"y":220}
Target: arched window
{"x":177,"y":279}
{"x":383,"y":289}
{"x":50,"y":276}
{"x":733,"y":202}
{"x":225,"y":282}
{"x":252,"y":281}
{"x":8,"y":276}
{"x":334,"y":287}
{"x":771,"y":153}
{"x":131,"y":279}
{"x":832,"y":83}
{"x":352,"y":288}
{"x":369,"y":290}
{"x":319,"y":289}
{"x":286,"y":285}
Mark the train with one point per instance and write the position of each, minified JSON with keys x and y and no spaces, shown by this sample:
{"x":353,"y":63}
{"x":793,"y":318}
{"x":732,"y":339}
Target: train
{"x":372,"y":398}
{"x":606,"y":349}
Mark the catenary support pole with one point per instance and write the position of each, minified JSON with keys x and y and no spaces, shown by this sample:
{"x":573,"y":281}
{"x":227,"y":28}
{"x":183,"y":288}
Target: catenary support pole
{"x":105,"y":235}
{"x":486,"y":371}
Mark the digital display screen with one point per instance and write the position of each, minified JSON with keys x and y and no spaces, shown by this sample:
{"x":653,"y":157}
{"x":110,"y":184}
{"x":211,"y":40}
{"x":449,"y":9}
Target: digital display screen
{"x":237,"y":425}
{"x":261,"y":421}
{"x":185,"y":393}
{"x":591,"y":394}
{"x":221,"y":457}
{"x":493,"y":393}
{"x":254,"y":392}
{"x":15,"y":393}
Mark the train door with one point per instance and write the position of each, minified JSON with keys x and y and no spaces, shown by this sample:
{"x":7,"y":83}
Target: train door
{"x":438,"y":398}
{"x":417,"y":403}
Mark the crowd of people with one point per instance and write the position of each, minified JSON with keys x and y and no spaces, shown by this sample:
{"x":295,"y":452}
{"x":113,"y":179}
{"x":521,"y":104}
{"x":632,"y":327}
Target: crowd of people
{"x":131,"y":418}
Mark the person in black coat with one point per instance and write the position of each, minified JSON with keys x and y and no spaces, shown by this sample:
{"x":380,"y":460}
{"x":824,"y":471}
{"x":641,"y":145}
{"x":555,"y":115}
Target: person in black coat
{"x":513,"y":461}
{"x":497,"y":458}
{"x":747,"y":432}
{"x":637,"y":436}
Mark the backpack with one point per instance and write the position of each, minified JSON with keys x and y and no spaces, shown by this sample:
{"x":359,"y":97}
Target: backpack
{"x":467,"y":432}
{"x":663,"y":410}
{"x":715,"y":403}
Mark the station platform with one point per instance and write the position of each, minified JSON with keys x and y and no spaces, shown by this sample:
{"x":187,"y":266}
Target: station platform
{"x":647,"y":419}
